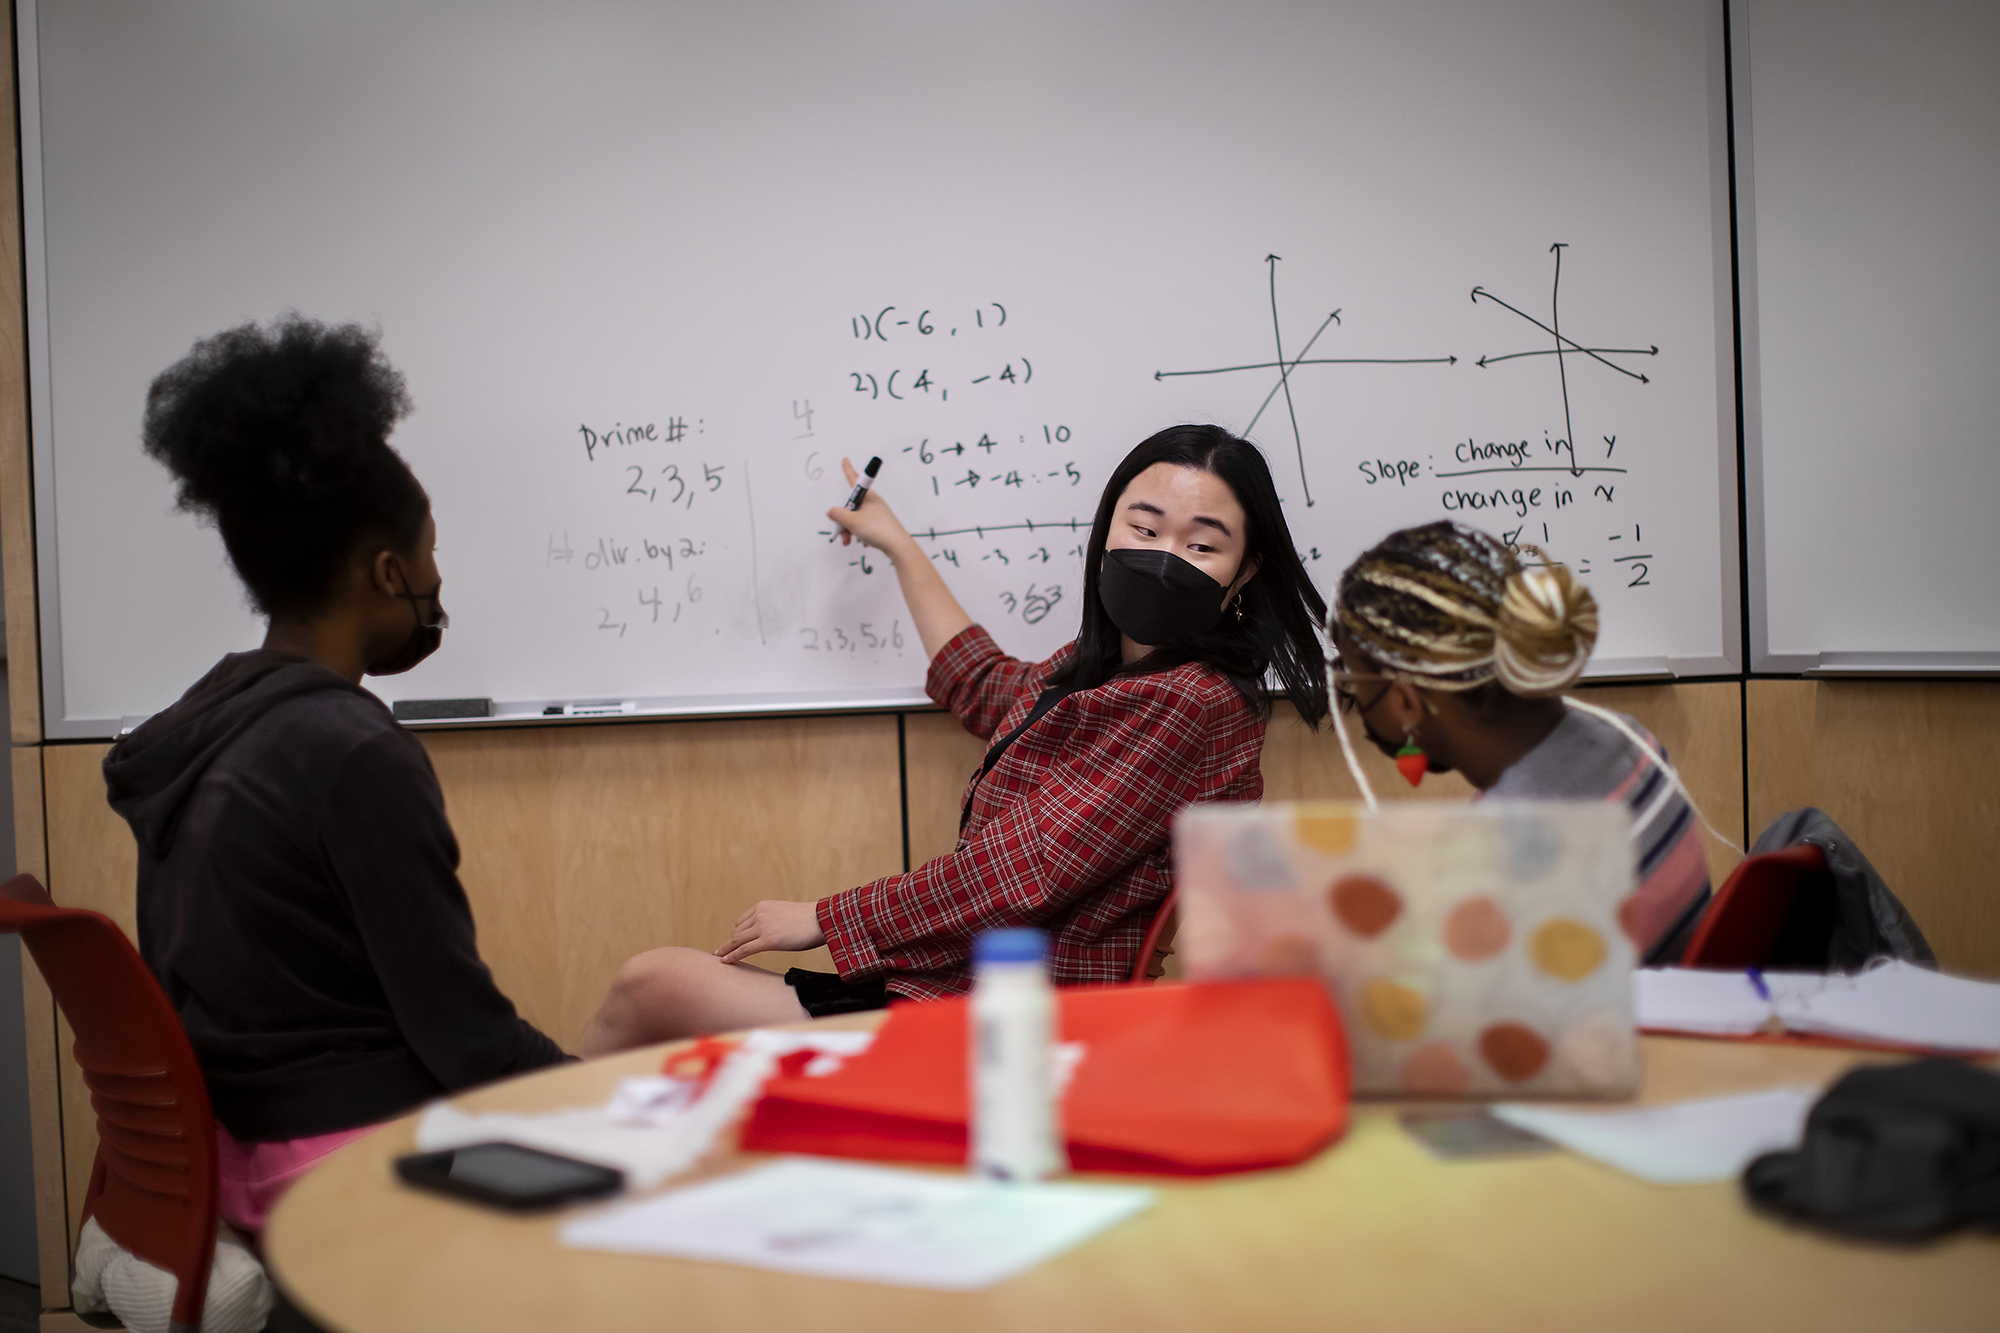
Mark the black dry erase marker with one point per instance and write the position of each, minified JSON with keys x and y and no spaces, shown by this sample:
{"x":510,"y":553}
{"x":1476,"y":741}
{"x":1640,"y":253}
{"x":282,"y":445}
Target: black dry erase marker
{"x":860,"y":491}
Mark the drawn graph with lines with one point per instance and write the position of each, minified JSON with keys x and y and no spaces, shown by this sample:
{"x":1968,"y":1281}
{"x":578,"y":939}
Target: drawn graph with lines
{"x":1282,"y":386}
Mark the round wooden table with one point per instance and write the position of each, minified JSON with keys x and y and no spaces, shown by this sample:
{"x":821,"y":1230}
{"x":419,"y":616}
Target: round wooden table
{"x":1375,"y":1233}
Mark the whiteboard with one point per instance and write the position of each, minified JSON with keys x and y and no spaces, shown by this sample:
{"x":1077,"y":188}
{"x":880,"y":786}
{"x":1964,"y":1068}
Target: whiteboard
{"x":1867,"y":137}
{"x":651,"y":271}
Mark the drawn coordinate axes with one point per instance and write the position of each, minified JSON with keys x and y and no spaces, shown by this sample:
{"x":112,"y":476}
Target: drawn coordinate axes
{"x":1564,"y":349}
{"x":1285,"y":368}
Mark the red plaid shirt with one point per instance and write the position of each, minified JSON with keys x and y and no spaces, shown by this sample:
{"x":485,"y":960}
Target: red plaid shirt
{"x":1069,"y":830}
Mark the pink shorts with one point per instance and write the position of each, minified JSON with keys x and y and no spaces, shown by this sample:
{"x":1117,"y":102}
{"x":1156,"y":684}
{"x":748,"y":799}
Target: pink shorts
{"x":253,"y":1175}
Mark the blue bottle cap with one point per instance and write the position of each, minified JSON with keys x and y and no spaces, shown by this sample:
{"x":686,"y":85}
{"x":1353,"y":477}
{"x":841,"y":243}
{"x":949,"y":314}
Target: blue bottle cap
{"x":1010,"y":946}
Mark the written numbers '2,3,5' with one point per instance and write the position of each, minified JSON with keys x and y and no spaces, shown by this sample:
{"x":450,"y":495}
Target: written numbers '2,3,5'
{"x":668,"y":481}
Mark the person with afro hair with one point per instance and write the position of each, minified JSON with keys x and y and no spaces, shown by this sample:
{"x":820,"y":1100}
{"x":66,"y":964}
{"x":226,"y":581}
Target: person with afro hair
{"x":298,"y":893}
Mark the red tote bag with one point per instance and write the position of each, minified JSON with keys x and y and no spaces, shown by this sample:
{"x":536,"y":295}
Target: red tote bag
{"x":1175,"y":1079}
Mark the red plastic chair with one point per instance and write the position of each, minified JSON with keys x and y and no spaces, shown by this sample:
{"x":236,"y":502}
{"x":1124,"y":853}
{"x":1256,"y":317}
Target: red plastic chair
{"x":1151,"y":963}
{"x":1742,"y":926}
{"x":153,"y":1187}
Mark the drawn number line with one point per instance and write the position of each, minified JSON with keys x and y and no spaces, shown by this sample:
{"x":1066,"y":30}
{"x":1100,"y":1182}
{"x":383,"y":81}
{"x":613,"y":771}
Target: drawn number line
{"x":933,"y":534}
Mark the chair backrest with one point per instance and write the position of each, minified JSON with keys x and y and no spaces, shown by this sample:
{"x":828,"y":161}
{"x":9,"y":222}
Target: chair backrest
{"x":1758,"y":905}
{"x":153,"y":1186}
{"x":1151,"y":963}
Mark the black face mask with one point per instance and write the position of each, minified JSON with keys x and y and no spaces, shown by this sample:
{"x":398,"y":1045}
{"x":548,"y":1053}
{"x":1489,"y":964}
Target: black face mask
{"x":424,"y":638}
{"x":1155,"y":597}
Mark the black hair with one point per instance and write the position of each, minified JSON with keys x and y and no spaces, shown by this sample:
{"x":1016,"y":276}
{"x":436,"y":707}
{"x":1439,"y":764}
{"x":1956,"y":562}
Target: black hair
{"x":279,"y":436}
{"x":1281,"y":609}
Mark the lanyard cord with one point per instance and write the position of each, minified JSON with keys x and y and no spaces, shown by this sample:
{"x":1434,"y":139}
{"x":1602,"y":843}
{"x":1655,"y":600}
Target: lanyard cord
{"x":1347,"y":745}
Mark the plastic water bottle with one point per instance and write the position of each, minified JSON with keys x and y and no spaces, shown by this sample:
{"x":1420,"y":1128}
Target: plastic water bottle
{"x":1016,"y":1134}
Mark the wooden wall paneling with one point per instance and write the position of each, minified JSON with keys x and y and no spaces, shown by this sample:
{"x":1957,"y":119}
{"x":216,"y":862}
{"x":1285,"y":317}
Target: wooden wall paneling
{"x":1301,"y":764}
{"x":1911,"y":771}
{"x":940,"y":756}
{"x":93,"y":863}
{"x":45,"y":1053}
{"x":585,"y":845}
{"x":17,"y":494}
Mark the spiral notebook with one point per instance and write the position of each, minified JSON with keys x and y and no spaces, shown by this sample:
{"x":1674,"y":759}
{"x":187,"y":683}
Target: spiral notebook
{"x":1896,"y":1004}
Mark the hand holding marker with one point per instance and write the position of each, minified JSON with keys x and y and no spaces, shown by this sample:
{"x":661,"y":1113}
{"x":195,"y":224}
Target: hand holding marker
{"x":867,"y":517}
{"x":860,"y":491}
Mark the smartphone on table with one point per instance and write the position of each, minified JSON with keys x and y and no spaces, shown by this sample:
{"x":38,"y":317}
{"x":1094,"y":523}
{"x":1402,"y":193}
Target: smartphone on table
{"x":508,"y":1175}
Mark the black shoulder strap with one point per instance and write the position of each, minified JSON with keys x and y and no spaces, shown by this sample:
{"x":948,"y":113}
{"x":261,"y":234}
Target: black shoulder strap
{"x":1044,"y":701}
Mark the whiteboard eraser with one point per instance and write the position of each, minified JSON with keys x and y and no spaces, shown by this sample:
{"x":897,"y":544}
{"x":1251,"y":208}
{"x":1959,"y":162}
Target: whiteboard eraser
{"x":438,"y":710}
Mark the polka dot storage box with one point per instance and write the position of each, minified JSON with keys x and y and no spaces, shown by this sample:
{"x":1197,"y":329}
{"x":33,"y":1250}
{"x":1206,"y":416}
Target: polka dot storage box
{"x":1473,"y":950}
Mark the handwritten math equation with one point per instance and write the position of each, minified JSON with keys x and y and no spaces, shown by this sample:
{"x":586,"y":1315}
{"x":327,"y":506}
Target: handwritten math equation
{"x":614,"y":552}
{"x":853,"y":640}
{"x":606,"y":440}
{"x":1512,"y":488}
{"x":1626,"y":560}
{"x":662,"y":559}
{"x":649,"y":607}
{"x":1558,"y":478}
{"x":958,"y":465}
{"x":681,"y":482}
{"x":899,"y":325}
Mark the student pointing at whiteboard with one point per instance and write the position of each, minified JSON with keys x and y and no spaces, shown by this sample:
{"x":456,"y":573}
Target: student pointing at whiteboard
{"x":1193,"y":594}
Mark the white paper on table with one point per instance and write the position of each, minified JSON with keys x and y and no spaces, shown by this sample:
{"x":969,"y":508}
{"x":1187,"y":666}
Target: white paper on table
{"x":1683,"y":1144}
{"x":1682,"y":999}
{"x":864,"y":1223}
{"x":652,"y":1128}
{"x":1896,"y":1002}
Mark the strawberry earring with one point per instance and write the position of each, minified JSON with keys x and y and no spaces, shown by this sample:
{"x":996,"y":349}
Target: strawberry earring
{"x":1411,"y":761}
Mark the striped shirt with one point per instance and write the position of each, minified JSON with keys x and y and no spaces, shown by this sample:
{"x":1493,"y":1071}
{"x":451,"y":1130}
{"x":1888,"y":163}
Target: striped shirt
{"x":1586,"y":759}
{"x":1068,"y":832}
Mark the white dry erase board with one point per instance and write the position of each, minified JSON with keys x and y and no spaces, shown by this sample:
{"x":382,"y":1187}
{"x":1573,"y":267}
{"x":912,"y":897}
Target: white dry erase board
{"x":1867,"y":141}
{"x":652,"y":270}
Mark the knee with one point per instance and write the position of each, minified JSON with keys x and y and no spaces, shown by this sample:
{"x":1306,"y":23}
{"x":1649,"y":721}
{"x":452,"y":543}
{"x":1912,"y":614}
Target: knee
{"x":660,"y":979}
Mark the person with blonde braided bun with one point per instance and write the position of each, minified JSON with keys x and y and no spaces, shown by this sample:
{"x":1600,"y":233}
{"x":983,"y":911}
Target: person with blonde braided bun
{"x":1448,"y":644}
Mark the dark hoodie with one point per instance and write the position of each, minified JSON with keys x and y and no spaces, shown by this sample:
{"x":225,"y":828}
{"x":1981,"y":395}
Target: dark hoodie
{"x":299,"y":902}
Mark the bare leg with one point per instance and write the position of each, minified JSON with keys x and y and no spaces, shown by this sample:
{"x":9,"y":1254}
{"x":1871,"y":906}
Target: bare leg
{"x":666,"y":994}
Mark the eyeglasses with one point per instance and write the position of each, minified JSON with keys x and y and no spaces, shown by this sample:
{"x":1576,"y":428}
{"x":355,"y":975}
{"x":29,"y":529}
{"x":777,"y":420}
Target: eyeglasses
{"x":1343,"y":689}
